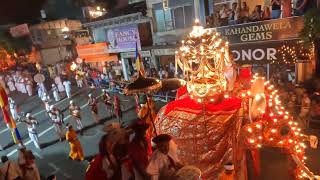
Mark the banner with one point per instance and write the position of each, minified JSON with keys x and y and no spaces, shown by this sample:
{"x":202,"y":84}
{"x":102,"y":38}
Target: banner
{"x":95,"y":52}
{"x":123,"y":38}
{"x":267,"y":52}
{"x":19,"y":31}
{"x":276,"y":29}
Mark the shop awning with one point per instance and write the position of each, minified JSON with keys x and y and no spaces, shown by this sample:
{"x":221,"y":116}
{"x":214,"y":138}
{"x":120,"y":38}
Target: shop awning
{"x":95,"y":53}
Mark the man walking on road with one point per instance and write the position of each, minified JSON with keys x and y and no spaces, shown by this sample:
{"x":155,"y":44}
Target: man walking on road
{"x":55,"y":92}
{"x":67,"y":87}
{"x":75,"y":113}
{"x":31,"y":125}
{"x":57,"y":118}
{"x":13,"y":108}
{"x":92,"y":102}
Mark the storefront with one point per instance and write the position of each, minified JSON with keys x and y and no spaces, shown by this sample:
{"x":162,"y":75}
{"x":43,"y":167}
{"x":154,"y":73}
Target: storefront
{"x":271,"y":47}
{"x":125,"y":35}
{"x":128,"y":60}
{"x":96,"y":55}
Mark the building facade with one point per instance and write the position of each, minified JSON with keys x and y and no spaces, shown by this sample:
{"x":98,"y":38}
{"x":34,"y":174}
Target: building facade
{"x":54,"y":39}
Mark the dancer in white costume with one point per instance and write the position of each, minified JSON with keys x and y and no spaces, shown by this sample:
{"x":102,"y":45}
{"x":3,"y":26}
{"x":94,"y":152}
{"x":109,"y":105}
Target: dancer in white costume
{"x":67,"y":87}
{"x":31,"y":125}
{"x":13,"y":108}
{"x":10,"y":83}
{"x":29,"y":86}
{"x":58,"y":82}
{"x":55,"y":92}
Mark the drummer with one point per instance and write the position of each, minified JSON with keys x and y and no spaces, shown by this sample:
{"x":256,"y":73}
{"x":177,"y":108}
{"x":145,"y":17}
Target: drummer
{"x":107,"y":100}
{"x":75,"y":113}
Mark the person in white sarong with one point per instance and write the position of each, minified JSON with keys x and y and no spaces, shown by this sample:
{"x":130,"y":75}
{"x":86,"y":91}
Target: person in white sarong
{"x":15,"y":80}
{"x":29,"y":86}
{"x":67,"y":86}
{"x":10,"y":83}
{"x":23,"y":85}
{"x":58,"y":82}
{"x":45,"y":99}
{"x":13,"y":108}
{"x":43,"y":88}
{"x":79,"y":81}
{"x":40,"y":92}
{"x":55,"y":93}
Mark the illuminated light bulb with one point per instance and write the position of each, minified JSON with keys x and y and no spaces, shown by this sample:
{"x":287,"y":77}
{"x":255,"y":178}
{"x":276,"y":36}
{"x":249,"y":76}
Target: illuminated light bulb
{"x":199,"y":100}
{"x":296,"y":133}
{"x":295,"y":123}
{"x":286,"y":117}
{"x":298,"y":150}
{"x":290,"y":140}
{"x":249,"y":93}
{"x":260,"y":137}
{"x":287,"y":112}
{"x":258,"y":145}
{"x":258,"y":97}
{"x":299,"y":129}
{"x":280,"y":112}
{"x":280,"y":142}
{"x":243,"y":95}
{"x":305,"y":158}
{"x":273,"y":130}
{"x":270,"y":104}
{"x":290,"y":122}
{"x":271,"y":139}
{"x":211,"y":100}
{"x":271,"y":114}
{"x":258,"y":126}
{"x":275,"y":120}
{"x":249,"y":130}
{"x":251,"y":141}
{"x":226,"y":96}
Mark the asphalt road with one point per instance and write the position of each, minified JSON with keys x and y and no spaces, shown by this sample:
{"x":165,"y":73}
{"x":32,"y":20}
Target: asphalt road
{"x":53,"y":157}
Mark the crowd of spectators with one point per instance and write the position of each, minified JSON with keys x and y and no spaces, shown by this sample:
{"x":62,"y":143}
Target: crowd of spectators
{"x":237,"y":14}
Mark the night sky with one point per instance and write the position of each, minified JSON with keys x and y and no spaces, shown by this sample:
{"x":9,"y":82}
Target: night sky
{"x":20,"y":11}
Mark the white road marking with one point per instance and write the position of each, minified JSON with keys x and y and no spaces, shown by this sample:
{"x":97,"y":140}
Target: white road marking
{"x":41,"y":134}
{"x":57,"y":169}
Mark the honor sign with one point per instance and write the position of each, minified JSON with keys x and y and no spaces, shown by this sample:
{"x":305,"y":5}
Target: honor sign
{"x":262,"y":53}
{"x":260,"y":42}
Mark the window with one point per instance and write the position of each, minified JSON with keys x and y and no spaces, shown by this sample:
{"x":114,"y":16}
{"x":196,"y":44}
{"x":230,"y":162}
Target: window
{"x":173,"y":18}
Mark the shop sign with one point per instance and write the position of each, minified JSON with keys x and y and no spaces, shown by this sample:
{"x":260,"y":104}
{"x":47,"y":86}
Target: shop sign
{"x":264,"y":53}
{"x":19,"y":31}
{"x":164,"y":52}
{"x":278,"y":29}
{"x":95,"y":53}
{"x":123,"y":38}
{"x":133,"y":54}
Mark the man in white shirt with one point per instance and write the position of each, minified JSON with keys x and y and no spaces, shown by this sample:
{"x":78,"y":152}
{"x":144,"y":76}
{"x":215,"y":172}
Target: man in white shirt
{"x":163,"y":163}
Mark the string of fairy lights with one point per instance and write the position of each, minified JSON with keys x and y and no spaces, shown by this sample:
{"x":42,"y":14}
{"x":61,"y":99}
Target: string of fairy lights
{"x":277,"y":128}
{"x":289,"y":54}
